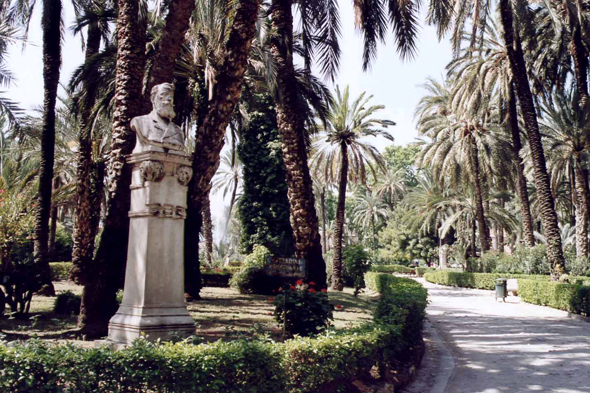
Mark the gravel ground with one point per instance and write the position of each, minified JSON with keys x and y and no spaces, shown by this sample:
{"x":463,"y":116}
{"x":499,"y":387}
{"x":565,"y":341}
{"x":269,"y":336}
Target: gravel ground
{"x":475,"y":344}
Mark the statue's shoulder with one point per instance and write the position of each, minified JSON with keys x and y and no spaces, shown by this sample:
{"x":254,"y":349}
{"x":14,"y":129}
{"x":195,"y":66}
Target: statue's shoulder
{"x":140,"y":121}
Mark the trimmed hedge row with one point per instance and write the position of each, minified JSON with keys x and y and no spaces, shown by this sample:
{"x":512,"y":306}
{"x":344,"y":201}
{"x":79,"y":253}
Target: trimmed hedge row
{"x":420,"y":271}
{"x":391,"y":269}
{"x":475,"y":280}
{"x":301,"y":365}
{"x":60,"y":270}
{"x":568,"y":297}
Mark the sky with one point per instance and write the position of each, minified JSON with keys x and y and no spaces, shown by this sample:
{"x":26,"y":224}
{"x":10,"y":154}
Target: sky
{"x":392,"y":82}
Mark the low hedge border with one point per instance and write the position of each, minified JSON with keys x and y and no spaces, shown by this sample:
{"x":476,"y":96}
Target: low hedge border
{"x":475,"y":280}
{"x":568,"y":297}
{"x":60,"y":270}
{"x":392,"y":269}
{"x":302,"y":365}
{"x":420,"y":271}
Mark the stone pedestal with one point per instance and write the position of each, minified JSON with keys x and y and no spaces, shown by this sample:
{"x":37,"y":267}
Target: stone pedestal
{"x":153,"y":300}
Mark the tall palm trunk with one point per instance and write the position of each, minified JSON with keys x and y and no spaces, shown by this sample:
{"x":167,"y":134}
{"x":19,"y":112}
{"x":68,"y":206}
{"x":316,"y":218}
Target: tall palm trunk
{"x":99,"y":301}
{"x":525,"y":98}
{"x":51,"y":24}
{"x":573,"y":194}
{"x":521,"y":183}
{"x":581,"y":209}
{"x":168,"y":51}
{"x":304,"y":220}
{"x":85,"y":212}
{"x":484,"y":232}
{"x":323,"y":206}
{"x":53,"y":219}
{"x":209,"y":138}
{"x":208,"y":230}
{"x":580,"y":60}
{"x":337,"y":267}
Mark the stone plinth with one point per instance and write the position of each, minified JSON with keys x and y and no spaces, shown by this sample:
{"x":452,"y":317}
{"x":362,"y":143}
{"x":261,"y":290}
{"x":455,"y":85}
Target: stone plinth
{"x":153,"y":300}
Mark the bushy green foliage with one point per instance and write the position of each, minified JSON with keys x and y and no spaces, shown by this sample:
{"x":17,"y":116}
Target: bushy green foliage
{"x":404,"y":245}
{"x":251,"y":277}
{"x":301,"y":365}
{"x":356,"y":263}
{"x":420,"y":271}
{"x":67,"y":303}
{"x":475,"y":280}
{"x":60,"y":270}
{"x":524,"y":260}
{"x":392,"y":269}
{"x":307,"y":311}
{"x":62,"y":248}
{"x":263,"y":207}
{"x":569,"y":297}
{"x":217,"y":277}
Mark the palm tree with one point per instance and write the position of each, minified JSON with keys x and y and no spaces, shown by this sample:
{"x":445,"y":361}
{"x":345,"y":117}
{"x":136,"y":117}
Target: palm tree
{"x":566,"y":138}
{"x":227,"y":180}
{"x":369,"y":212}
{"x":392,"y":185}
{"x":99,"y":301}
{"x":456,"y":13}
{"x":339,"y":148}
{"x":480,"y":72}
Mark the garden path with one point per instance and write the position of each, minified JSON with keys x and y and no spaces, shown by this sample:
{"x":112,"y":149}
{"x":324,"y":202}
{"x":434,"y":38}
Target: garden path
{"x":475,"y":344}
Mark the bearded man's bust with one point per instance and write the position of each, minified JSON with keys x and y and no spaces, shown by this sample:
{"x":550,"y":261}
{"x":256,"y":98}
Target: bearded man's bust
{"x":156,"y":131}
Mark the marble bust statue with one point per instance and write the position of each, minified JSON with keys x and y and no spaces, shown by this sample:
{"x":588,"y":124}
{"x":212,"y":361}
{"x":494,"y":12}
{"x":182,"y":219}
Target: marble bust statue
{"x":156,"y":131}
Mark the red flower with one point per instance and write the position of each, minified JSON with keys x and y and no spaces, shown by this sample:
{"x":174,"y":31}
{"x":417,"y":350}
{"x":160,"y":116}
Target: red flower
{"x":312,"y":283}
{"x":270,"y":314}
{"x":280,"y":289}
{"x":292,"y":287}
{"x":311,"y":290}
{"x":338,"y":306}
{"x":271,"y":299}
{"x":324,"y":290}
{"x":299,"y":282}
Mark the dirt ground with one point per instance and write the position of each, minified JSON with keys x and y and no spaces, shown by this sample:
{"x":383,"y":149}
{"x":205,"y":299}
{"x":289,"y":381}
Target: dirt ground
{"x":475,"y":344}
{"x":222,"y":313}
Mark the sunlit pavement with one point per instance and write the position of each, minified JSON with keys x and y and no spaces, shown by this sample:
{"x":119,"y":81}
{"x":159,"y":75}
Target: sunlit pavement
{"x":501,"y":347}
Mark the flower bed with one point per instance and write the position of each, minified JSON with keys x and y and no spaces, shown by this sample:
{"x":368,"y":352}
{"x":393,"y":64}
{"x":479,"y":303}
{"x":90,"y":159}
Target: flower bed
{"x":321,"y":363}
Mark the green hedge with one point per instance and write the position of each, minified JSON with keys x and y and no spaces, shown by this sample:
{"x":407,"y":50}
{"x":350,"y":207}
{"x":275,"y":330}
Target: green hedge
{"x":568,"y":297}
{"x":391,"y":269}
{"x":301,"y":365}
{"x":475,"y":280}
{"x":60,"y":270}
{"x":420,"y":271}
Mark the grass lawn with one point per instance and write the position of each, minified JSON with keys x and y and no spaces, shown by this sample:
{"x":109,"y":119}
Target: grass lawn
{"x":222,"y":313}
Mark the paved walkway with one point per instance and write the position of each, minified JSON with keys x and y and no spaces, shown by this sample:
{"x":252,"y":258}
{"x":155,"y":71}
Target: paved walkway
{"x":475,"y":344}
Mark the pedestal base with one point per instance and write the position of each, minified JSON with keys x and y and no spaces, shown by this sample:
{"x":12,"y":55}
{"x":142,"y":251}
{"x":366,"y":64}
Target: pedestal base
{"x":164,"y":323}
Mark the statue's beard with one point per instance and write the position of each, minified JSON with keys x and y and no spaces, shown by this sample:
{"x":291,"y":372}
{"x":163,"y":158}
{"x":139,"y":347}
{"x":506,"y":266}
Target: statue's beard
{"x":166,"y":111}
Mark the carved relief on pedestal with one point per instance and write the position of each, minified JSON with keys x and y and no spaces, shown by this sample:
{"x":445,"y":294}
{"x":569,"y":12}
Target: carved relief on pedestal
{"x":184,"y":174}
{"x":151,"y":171}
{"x":163,"y":211}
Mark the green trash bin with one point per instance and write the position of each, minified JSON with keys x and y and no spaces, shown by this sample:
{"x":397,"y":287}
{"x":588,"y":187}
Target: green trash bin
{"x":501,"y":290}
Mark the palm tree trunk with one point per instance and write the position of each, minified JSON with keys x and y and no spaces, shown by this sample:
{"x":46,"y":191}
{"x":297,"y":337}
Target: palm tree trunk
{"x":580,"y":60}
{"x":525,"y":98}
{"x":51,"y":24}
{"x":85,"y":210}
{"x":574,"y":197}
{"x":521,"y":183}
{"x":53,"y":219}
{"x":99,"y":301}
{"x":304,"y":219}
{"x":209,"y":138}
{"x":337,"y":279}
{"x":168,"y":51}
{"x":323,"y":203}
{"x":208,"y":231}
{"x":501,"y":230}
{"x":581,"y":209}
{"x":473,"y":239}
{"x":484,"y":232}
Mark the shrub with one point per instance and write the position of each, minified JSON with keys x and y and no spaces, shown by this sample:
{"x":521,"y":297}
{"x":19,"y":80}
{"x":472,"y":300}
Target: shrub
{"x":215,"y":278}
{"x":392,"y":269}
{"x":67,"y":303}
{"x":302,"y":365}
{"x":475,"y":280}
{"x":251,"y":278}
{"x":307,"y":311}
{"x":420,"y":271}
{"x":60,"y":270}
{"x":356,"y":264}
{"x":20,"y":280}
{"x":569,"y":297}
